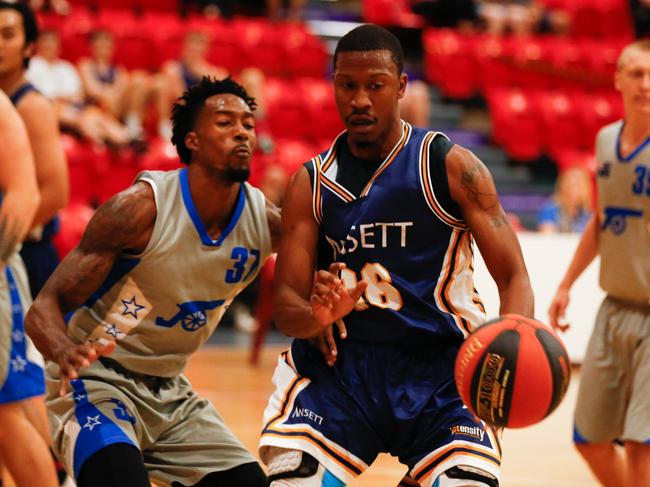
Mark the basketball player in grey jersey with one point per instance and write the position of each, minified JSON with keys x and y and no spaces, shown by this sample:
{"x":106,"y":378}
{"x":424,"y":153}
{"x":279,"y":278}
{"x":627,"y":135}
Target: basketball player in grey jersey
{"x":615,"y":379}
{"x":155,"y":270}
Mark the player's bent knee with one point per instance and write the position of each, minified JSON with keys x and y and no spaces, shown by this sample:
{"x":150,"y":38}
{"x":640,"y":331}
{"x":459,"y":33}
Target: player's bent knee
{"x":248,"y":474}
{"x":294,"y":468}
{"x":466,"y":476}
{"x":115,"y":465}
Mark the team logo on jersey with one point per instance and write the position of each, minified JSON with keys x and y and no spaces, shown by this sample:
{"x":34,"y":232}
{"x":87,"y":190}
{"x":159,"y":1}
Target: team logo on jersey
{"x":191,"y":315}
{"x":121,"y":412}
{"x":473,"y":431}
{"x":615,"y":218}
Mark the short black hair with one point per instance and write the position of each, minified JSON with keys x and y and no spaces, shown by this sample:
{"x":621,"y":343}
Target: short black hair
{"x":370,"y":37}
{"x":30,"y":26}
{"x":188,"y":106}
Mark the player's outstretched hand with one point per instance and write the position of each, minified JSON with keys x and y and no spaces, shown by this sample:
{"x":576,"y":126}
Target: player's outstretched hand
{"x":558,"y":308}
{"x":71,"y":359}
{"x":330,"y":300}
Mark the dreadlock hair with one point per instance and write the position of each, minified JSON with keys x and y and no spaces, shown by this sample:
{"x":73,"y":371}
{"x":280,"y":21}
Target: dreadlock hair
{"x":30,"y":27}
{"x":189,"y":105}
{"x":370,"y":37}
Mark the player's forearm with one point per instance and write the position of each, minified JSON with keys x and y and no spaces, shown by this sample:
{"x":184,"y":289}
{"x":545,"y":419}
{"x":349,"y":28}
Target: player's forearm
{"x":585,"y":253}
{"x":45,"y":326}
{"x":53,"y":198}
{"x":293,"y":315}
{"x":516,"y":296}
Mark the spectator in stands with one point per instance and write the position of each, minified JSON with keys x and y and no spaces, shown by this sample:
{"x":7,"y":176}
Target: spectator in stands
{"x":641,"y":17}
{"x":571,"y":205}
{"x":293,"y":10}
{"x":111,"y":87}
{"x":179,"y":75}
{"x":521,"y":17}
{"x":59,"y":80}
{"x":61,"y":7}
{"x":462,"y":14}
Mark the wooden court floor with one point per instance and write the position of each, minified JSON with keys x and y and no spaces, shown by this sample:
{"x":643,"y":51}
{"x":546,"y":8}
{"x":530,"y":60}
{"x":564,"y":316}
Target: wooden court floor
{"x":541,"y":455}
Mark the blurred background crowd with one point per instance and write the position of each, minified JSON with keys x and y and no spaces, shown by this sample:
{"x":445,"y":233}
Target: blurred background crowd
{"x":525,"y":84}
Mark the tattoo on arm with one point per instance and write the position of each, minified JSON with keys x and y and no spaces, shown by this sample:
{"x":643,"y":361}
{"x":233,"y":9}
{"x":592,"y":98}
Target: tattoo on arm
{"x":124,"y":223}
{"x":473,"y":178}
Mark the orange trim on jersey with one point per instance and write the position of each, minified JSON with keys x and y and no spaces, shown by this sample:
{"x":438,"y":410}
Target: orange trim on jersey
{"x":427,"y":186}
{"x":331,"y":156}
{"x":308,"y":436}
{"x":401,"y":143}
{"x":336,"y":188}
{"x":494,"y":437}
{"x":443,"y":290}
{"x":316,"y":203}
{"x":429,"y":466}
{"x":289,"y":396}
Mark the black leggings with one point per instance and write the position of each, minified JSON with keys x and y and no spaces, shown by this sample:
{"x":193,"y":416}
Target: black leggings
{"x":121,"y":465}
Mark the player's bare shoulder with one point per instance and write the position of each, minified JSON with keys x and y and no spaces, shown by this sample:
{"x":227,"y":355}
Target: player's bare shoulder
{"x":125,"y":222}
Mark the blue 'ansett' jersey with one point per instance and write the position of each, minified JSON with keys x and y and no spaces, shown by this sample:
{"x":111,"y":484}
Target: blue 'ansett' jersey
{"x":415,"y":254}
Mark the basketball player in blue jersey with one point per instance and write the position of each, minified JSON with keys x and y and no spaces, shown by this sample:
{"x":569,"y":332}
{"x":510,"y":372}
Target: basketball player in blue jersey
{"x":24,"y":452}
{"x":388,"y":215}
{"x":156,"y":268}
{"x":614,"y":389}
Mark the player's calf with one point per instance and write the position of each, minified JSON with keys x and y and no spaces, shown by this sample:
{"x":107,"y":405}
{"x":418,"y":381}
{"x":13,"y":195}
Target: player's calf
{"x":294,"y":468}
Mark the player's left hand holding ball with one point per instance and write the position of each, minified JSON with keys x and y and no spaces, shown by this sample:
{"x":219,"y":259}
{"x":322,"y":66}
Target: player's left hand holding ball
{"x":71,"y":359}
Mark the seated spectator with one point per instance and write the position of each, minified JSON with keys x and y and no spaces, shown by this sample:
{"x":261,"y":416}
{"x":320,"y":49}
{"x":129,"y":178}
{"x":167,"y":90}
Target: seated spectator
{"x":179,"y":75}
{"x":109,"y":86}
{"x":293,"y":11}
{"x":447,"y":13}
{"x":61,"y":7}
{"x":570,"y":206}
{"x":641,"y":17}
{"x":59,"y":81}
{"x":415,"y":107}
{"x":521,"y":17}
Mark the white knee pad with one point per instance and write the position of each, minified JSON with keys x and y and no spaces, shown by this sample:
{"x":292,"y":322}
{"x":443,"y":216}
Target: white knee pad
{"x":466,"y":476}
{"x":294,"y":468}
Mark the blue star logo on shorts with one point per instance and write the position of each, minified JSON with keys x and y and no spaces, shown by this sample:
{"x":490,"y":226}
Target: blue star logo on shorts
{"x":18,"y":364}
{"x":131,"y":307}
{"x":92,"y":421}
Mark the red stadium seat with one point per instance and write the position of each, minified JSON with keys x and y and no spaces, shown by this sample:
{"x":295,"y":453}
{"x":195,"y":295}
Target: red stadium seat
{"x":390,"y":12}
{"x":303,"y":53}
{"x":73,"y":220}
{"x":291,"y":153}
{"x":118,"y":176}
{"x":81,"y":170}
{"x":515,"y":123}
{"x":450,"y":62}
{"x":288,"y":115}
{"x":323,"y":113}
{"x":259,"y":46}
{"x":560,"y":127}
{"x":161,"y":156}
{"x":595,"y":111}
{"x":494,"y":62}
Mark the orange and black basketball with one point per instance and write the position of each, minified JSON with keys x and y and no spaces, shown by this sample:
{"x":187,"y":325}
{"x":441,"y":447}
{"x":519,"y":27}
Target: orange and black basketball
{"x":512,"y":371}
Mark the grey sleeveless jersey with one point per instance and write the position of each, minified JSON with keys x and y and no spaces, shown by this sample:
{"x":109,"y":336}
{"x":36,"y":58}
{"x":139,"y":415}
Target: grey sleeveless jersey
{"x":624,"y":206}
{"x":161,"y":305}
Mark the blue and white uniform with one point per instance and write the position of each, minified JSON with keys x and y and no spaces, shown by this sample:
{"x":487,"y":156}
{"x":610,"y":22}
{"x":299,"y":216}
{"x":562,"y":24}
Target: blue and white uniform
{"x":392,"y":388}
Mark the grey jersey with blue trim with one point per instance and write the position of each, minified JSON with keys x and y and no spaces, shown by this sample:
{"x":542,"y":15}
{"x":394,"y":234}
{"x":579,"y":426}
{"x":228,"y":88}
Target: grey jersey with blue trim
{"x":163,"y":304}
{"x":624,"y":206}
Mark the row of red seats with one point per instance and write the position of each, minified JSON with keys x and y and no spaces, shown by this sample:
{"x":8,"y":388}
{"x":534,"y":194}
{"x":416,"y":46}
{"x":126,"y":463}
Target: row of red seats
{"x":464,"y":65}
{"x":162,"y":5}
{"x":302,"y":108}
{"x":530,"y":123}
{"x":146,"y":41}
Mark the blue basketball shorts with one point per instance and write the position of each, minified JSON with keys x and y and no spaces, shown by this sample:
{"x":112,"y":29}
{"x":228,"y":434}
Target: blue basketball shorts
{"x":21,"y":366}
{"x":393,"y":399}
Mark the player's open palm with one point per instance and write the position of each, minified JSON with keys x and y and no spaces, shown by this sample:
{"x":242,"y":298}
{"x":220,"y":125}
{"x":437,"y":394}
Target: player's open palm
{"x":557,"y":309}
{"x":330,"y":300}
{"x":71,"y":359}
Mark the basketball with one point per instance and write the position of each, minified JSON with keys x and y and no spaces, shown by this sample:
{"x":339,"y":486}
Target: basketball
{"x":512,"y":371}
